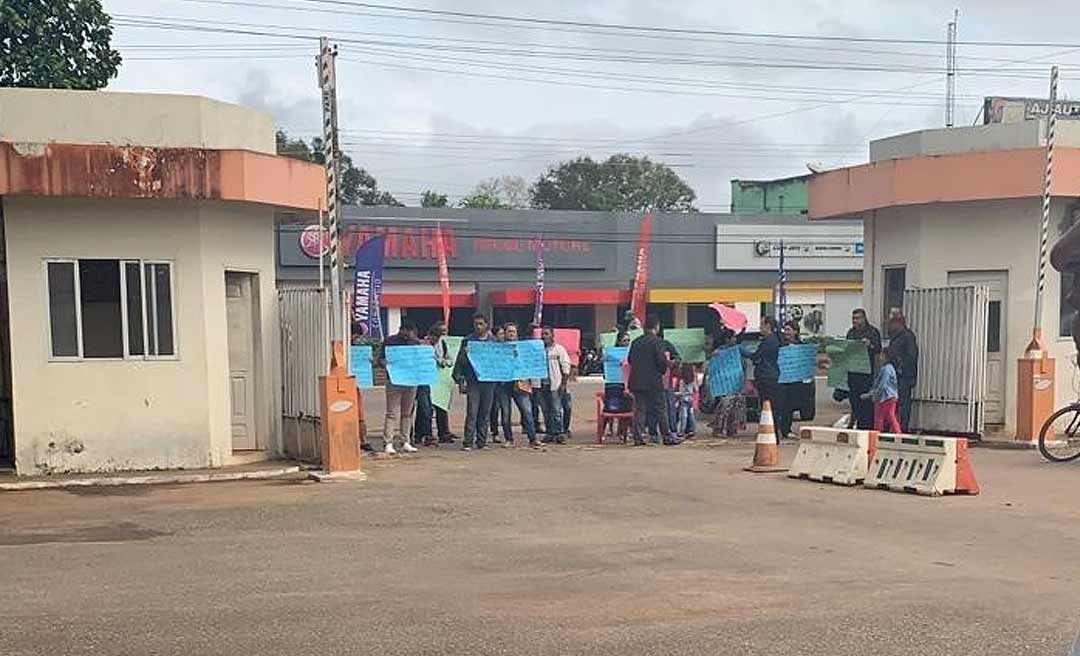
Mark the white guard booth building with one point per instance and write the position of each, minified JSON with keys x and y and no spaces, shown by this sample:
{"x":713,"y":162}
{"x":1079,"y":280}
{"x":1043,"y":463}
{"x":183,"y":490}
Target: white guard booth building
{"x":138,"y":311}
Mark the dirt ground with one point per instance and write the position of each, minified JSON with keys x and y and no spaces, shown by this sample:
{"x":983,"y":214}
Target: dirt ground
{"x":575,"y":550}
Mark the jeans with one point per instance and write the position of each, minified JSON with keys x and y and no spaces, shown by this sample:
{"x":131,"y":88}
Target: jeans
{"x":567,"y":403}
{"x":551,"y":403}
{"x":500,"y":411}
{"x":685,"y":424}
{"x":442,"y":422}
{"x":905,"y":386}
{"x":422,"y":425}
{"x":644,"y":401}
{"x":399,"y":408}
{"x":523,"y":401}
{"x":785,"y":412}
{"x":480,"y":397}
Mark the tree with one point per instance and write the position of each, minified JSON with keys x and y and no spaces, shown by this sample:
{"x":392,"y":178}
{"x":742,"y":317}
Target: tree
{"x":620,"y":183}
{"x":357,"y":186}
{"x":432,"y":199}
{"x":56,"y":44}
{"x":508,"y":192}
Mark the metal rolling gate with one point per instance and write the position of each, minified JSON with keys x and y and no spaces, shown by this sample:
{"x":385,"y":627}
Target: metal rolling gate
{"x":950,"y":324}
{"x":305,"y":355}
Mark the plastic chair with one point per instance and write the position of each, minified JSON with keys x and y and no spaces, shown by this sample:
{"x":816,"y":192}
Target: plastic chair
{"x":620,"y":421}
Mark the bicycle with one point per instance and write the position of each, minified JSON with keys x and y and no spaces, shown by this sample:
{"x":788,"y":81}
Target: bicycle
{"x":1064,"y":446}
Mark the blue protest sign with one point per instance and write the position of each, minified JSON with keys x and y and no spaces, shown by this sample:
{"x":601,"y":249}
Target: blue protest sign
{"x":530,"y":359}
{"x":725,"y":372}
{"x":614,"y":357}
{"x":492,"y":361}
{"x":798,"y":362}
{"x":411,"y":365}
{"x":360,"y":366}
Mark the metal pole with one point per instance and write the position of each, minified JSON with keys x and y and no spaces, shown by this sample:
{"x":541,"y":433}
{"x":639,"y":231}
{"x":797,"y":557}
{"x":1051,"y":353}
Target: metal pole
{"x":950,"y":71}
{"x":328,"y":86}
{"x":1044,"y":227}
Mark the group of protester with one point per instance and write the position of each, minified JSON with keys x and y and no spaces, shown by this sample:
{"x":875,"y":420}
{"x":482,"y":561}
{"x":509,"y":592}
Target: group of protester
{"x":663,"y":391}
{"x":489,"y":405}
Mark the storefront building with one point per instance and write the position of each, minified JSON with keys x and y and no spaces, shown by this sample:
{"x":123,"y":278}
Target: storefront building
{"x":589,"y":260}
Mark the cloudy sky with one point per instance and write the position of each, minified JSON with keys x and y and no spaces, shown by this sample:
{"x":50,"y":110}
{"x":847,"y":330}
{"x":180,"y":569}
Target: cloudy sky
{"x":440,"y":101}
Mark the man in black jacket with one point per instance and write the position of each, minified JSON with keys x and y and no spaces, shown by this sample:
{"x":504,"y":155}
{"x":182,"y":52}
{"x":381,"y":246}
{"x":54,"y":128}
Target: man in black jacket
{"x":862,"y":410}
{"x":905,"y":349}
{"x":767,"y":371}
{"x":648,"y":362}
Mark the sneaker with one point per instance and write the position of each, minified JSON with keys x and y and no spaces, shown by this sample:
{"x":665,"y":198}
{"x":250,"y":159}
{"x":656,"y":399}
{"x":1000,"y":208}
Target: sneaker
{"x":561,"y":439}
{"x":508,"y":444}
{"x":448,"y":438}
{"x":365,"y":446}
{"x":639,"y":442}
{"x":496,"y":440}
{"x":480,"y":446}
{"x":672,"y":441}
{"x":536,"y":445}
{"x":466,"y":447}
{"x":430,"y":441}
{"x":389,"y":449}
{"x":409,"y":448}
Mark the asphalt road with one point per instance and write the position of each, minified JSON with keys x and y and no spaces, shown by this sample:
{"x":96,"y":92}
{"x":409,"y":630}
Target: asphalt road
{"x":576,"y":550}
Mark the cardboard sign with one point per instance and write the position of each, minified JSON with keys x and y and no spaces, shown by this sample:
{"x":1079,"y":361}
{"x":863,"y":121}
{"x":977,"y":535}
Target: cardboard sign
{"x":443,"y":389}
{"x":410,"y":366}
{"x":614,"y":357}
{"x":688,"y":342}
{"x":360,"y":366}
{"x":798,"y":362}
{"x":846,"y":355}
{"x":725,"y":372}
{"x":501,"y":362}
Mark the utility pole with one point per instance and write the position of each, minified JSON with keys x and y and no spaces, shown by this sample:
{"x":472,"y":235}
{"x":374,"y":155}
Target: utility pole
{"x":1044,"y":226}
{"x":331,"y":155}
{"x":950,"y":70}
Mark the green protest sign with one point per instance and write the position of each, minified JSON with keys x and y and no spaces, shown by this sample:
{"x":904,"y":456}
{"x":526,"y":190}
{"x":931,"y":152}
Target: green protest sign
{"x":846,"y":356}
{"x":608,"y":339}
{"x":444,"y":383}
{"x":688,"y":342}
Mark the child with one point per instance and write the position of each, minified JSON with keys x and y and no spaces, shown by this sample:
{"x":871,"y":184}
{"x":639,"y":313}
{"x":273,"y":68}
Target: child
{"x":885,"y":395}
{"x":684,"y":398}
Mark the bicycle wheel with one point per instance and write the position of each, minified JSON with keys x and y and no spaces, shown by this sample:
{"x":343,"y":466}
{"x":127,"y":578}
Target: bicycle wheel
{"x":1061,"y":446}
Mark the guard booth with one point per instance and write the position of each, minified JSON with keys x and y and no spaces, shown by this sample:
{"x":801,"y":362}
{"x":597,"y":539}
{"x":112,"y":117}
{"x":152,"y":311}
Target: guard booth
{"x":952,"y":327}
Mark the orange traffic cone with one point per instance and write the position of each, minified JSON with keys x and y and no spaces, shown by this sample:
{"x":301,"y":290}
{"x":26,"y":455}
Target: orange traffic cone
{"x":766,"y":450}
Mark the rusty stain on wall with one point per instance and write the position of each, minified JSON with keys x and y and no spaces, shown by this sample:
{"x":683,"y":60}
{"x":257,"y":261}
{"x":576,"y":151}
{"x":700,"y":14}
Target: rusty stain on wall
{"x":109,"y":171}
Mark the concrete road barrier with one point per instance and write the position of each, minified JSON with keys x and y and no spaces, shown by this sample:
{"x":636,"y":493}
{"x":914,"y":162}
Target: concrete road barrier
{"x":927,"y":465}
{"x":833,"y":455}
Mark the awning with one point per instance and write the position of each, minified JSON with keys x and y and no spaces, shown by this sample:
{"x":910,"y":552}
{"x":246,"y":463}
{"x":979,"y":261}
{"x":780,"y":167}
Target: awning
{"x":417,"y":300}
{"x":561,"y":296}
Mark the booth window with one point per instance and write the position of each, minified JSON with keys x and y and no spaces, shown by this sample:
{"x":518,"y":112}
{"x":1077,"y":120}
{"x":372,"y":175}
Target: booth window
{"x":110,"y":309}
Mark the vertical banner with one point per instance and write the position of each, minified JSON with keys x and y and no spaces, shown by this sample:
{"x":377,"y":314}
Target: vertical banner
{"x":367,"y":289}
{"x":538,"y":309}
{"x":444,"y":273}
{"x":641,"y":272}
{"x":781,"y":288}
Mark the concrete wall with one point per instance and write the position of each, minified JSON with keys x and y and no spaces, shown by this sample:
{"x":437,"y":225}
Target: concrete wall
{"x":101,"y":415}
{"x":144,"y":119}
{"x":933,"y":240}
{"x":977,"y":138}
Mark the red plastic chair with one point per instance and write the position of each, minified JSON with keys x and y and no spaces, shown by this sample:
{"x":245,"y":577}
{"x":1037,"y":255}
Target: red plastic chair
{"x":620,"y":421}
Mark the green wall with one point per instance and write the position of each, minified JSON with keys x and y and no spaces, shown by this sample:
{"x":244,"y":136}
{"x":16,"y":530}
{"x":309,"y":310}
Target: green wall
{"x":786,"y":196}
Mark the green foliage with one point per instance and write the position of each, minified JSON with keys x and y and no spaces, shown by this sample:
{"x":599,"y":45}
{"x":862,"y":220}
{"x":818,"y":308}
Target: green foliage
{"x":56,"y":44}
{"x":357,"y":186}
{"x":432,"y":199}
{"x":483,"y":201}
{"x":508,"y":192}
{"x":619,"y":183}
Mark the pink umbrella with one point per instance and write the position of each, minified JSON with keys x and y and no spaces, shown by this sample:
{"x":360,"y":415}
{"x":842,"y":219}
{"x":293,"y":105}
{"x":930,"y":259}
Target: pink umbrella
{"x":730,"y":317}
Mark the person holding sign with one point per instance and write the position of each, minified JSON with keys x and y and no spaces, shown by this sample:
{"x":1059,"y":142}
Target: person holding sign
{"x":424,"y":407}
{"x":479,"y":396}
{"x":520,"y":392}
{"x":862,"y":408}
{"x":767,"y":369}
{"x":399,"y":398}
{"x":789,"y":391}
{"x":553,"y":388}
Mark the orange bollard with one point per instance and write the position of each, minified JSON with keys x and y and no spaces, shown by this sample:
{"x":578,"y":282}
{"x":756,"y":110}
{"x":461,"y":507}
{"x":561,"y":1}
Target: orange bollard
{"x":339,"y":401}
{"x":766,"y":450}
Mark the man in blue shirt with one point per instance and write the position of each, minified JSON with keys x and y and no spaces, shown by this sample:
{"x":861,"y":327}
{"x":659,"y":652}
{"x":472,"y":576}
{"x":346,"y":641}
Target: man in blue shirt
{"x":480,"y":396}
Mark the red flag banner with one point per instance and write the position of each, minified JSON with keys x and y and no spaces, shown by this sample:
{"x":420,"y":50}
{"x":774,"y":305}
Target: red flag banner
{"x":641,"y":272}
{"x":444,"y":273}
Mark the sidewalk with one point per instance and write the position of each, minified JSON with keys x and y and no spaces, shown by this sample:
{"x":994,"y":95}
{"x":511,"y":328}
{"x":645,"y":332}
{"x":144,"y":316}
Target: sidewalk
{"x":9,"y":482}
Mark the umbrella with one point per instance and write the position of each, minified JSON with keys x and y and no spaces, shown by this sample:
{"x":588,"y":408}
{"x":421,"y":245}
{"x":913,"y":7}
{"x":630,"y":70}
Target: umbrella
{"x":730,"y":317}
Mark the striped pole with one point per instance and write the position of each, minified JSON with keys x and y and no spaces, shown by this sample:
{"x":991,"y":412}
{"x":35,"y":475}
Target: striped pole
{"x":328,"y":86}
{"x":1044,"y":228}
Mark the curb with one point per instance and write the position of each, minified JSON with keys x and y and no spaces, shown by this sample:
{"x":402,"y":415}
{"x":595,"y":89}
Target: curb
{"x":168,"y":479}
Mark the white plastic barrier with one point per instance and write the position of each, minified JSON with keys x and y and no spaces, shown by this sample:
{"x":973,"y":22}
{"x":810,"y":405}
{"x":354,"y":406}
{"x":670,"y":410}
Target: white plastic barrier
{"x":833,"y":455}
{"x":922,"y":465}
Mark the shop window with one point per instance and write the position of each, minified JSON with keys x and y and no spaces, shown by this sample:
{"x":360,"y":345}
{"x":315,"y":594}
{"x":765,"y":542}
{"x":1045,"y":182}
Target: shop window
{"x":894,"y":281}
{"x":1066,"y":312}
{"x":110,"y":309}
{"x":993,"y":327}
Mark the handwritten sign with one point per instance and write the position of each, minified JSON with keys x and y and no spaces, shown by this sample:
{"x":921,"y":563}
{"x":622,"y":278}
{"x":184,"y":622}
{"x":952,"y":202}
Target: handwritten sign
{"x":608,"y":339}
{"x":614,"y":357}
{"x":725,"y":372}
{"x":846,"y":356}
{"x":688,"y":342}
{"x":798,"y":362}
{"x":570,"y":338}
{"x":443,"y":389}
{"x":410,"y":366}
{"x":500,"y":362}
{"x":360,"y":366}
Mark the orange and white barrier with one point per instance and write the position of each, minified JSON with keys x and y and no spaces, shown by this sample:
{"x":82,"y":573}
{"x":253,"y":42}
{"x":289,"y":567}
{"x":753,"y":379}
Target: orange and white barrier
{"x":766,"y":450}
{"x":922,"y":465}
{"x":833,"y":455}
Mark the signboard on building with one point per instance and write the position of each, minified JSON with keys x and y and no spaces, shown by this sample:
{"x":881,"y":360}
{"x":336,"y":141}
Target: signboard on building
{"x":1000,"y":109}
{"x":807,"y":247}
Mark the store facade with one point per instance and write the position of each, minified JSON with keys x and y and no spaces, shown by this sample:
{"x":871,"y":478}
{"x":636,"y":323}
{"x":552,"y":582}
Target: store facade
{"x":589,"y":259}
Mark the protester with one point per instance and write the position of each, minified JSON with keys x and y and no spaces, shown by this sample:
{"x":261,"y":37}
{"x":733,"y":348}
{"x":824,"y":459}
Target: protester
{"x":520,"y":392}
{"x":789,"y":392}
{"x":648,"y":363}
{"x":685,"y":397}
{"x":862,"y":410}
{"x":905,"y":352}
{"x":398,"y":418}
{"x":422,"y":425}
{"x":365,"y":444}
{"x":767,"y":370}
{"x":884,"y":395}
{"x":479,"y":396}
{"x":729,"y":411}
{"x":502,"y":393}
{"x":554,"y":386}
{"x":616,"y":399}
